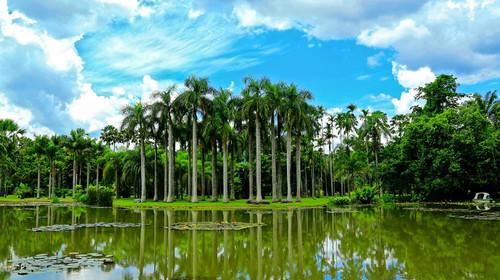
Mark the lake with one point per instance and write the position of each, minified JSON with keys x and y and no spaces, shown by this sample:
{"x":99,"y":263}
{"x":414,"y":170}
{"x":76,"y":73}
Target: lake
{"x":367,"y":243}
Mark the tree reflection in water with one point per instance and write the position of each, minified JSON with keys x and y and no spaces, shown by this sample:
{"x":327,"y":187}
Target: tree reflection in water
{"x":373,"y":243}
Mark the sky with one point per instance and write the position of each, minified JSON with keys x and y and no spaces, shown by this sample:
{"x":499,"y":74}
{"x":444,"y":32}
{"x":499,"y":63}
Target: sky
{"x":66,"y":64}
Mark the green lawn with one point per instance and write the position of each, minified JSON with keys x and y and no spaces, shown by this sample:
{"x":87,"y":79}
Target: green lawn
{"x":236,"y":204}
{"x":183,"y":204}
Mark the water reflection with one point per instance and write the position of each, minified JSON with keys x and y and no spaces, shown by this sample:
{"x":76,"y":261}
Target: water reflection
{"x":373,"y":243}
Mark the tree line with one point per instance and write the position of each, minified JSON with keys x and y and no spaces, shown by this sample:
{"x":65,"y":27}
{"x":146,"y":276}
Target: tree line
{"x":268,"y":141}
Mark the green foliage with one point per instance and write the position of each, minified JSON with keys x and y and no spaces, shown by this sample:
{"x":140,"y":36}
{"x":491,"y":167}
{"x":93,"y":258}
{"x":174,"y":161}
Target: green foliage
{"x":23,"y":191}
{"x":340,"y":201}
{"x":364,"y":195}
{"x":103,"y":196}
{"x":387,"y":198}
{"x":55,"y":200}
{"x":83,"y":198}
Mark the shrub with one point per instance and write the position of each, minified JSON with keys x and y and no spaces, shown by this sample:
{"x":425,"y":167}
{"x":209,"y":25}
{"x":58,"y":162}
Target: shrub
{"x":387,"y":198}
{"x":364,"y":195}
{"x":55,"y":199}
{"x":83,"y":198}
{"x":340,"y":201}
{"x":100,"y":197}
{"x":23,"y":191}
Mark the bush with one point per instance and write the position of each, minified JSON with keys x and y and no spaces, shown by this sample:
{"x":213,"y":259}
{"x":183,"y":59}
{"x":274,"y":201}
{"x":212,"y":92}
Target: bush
{"x":340,"y":201}
{"x":100,"y":197}
{"x":364,"y":195}
{"x":387,"y":198}
{"x":23,"y":191}
{"x":55,"y":199}
{"x":83,"y":198}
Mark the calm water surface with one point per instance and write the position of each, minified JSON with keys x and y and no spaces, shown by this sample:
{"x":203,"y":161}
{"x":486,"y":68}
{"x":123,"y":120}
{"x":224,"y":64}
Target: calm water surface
{"x":372,"y":243}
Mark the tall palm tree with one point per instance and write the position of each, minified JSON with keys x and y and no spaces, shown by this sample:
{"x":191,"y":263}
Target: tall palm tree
{"x":39,"y":146}
{"x":134,"y":122}
{"x":224,"y":112}
{"x":111,"y":136}
{"x":154,"y":124}
{"x":274,"y":95}
{"x":193,"y":98}
{"x":297,"y":120}
{"x":76,"y":144}
{"x":164,"y":107}
{"x":488,"y":105}
{"x":374,"y":128}
{"x":256,"y":106}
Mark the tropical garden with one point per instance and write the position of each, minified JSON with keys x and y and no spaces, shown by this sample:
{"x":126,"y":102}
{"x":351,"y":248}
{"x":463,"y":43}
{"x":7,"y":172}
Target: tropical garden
{"x":265,"y":144}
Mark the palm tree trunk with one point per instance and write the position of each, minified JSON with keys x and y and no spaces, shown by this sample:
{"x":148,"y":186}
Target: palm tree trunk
{"x":214,"y":169}
{"x":50,"y":181}
{"x":155,"y":167}
{"x":203,"y":173}
{"x":273,"y":160}
{"x":250,"y":167}
{"x":88,"y":174}
{"x":289,"y":165}
{"x":279,"y":190}
{"x":143,"y":172}
{"x":297,"y":167}
{"x":258,"y":159}
{"x":194,"y":193}
{"x":117,"y":186}
{"x":97,"y":176}
{"x":165,"y":169}
{"x":53,"y":179}
{"x":331,"y":169}
{"x":189,"y":170}
{"x":224,"y":171}
{"x":313,"y":187}
{"x":74,"y":174}
{"x":231,"y":172}
{"x":171,"y":158}
{"x":379,"y":185}
{"x":38,"y":182}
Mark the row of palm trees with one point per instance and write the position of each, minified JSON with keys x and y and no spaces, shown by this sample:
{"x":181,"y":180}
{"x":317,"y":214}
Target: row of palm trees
{"x":276,"y":110}
{"x":265,"y":119}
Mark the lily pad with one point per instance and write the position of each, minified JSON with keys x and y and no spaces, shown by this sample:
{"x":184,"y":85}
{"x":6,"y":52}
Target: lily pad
{"x":56,"y":228}
{"x":214,"y":226}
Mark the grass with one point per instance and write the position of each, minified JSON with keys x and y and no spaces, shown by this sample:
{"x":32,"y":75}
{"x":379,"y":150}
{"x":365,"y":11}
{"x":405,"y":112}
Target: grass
{"x":14,"y":199}
{"x":209,"y":205}
{"x":183,"y":204}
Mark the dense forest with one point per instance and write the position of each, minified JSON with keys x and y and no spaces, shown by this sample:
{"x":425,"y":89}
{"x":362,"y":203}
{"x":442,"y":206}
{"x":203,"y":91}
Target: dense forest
{"x":266,"y":142}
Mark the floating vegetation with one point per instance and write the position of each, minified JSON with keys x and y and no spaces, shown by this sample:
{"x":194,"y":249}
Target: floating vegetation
{"x":483,"y":216}
{"x":46,"y":263}
{"x":55,"y":228}
{"x":216,"y":226}
{"x":259,"y":212}
{"x":456,"y":210}
{"x":341,"y":210}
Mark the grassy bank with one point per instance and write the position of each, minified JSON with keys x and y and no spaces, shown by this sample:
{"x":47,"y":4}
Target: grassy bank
{"x":209,"y":205}
{"x":32,"y":200}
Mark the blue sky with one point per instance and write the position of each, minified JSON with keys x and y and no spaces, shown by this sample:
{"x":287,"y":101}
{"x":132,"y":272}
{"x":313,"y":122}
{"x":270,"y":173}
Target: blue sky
{"x":67,"y":64}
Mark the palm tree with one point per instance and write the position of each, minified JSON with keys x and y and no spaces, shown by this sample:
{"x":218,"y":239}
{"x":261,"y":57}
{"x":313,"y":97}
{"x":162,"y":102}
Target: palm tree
{"x":375,"y":127}
{"x":134,"y":122}
{"x":10,"y":134}
{"x":193,"y":98}
{"x":488,"y":105}
{"x":297,"y":120}
{"x":274,"y":95}
{"x":164,"y":108}
{"x":256,"y":106}
{"x":39,"y":146}
{"x":112,"y":136}
{"x":222,"y":107}
{"x":76,"y":144}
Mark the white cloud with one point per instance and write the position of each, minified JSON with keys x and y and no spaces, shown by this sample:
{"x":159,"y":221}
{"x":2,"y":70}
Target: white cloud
{"x":148,"y":86}
{"x":405,"y":30}
{"x":21,"y":116}
{"x":459,"y":37}
{"x":363,"y":77}
{"x":249,"y":17}
{"x":96,"y":111}
{"x":194,"y":14}
{"x":380,"y":97}
{"x":410,"y":80}
{"x":375,"y":60}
